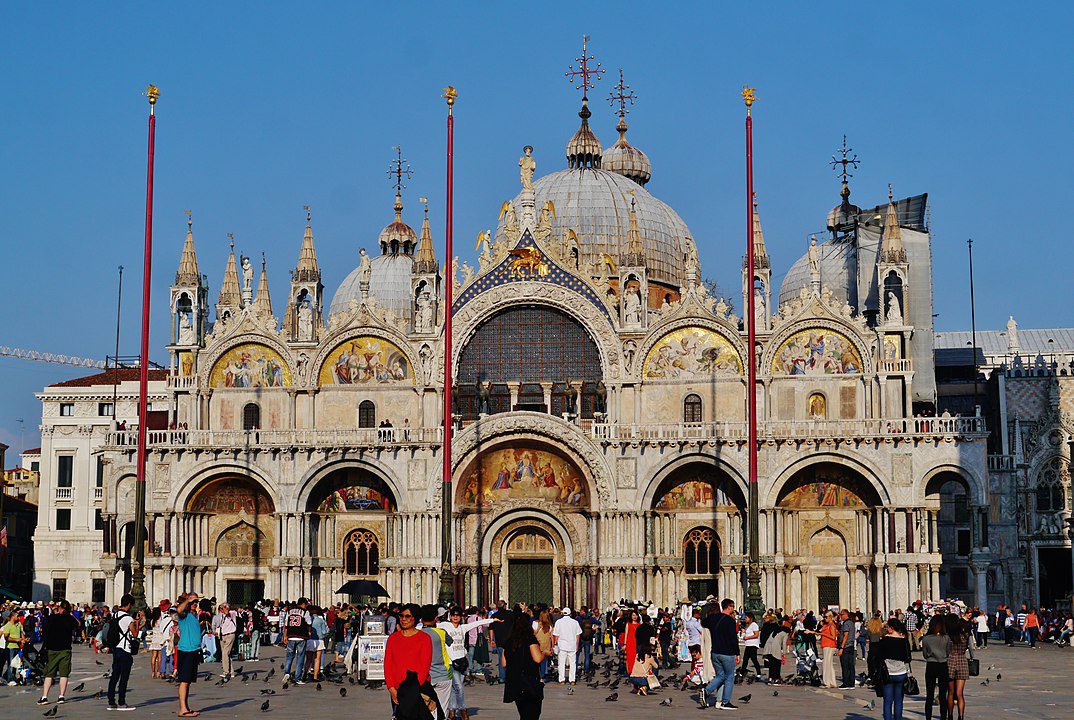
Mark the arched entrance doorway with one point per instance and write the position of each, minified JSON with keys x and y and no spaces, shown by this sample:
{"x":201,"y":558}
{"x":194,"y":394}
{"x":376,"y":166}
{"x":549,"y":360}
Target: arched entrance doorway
{"x":824,"y":520}
{"x":530,"y":558}
{"x":953,"y":532}
{"x":234,"y":517}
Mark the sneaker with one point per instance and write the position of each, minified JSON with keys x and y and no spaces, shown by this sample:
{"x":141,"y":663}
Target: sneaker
{"x":125,"y":708}
{"x":728,"y":706}
{"x":43,"y":701}
{"x":300,"y":682}
{"x":12,"y":683}
{"x":113,"y":707}
{"x":287,"y":678}
{"x":61,"y":700}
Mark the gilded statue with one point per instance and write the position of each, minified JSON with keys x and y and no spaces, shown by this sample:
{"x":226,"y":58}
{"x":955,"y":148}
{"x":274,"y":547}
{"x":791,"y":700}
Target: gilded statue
{"x":526,"y":167}
{"x":528,"y":259}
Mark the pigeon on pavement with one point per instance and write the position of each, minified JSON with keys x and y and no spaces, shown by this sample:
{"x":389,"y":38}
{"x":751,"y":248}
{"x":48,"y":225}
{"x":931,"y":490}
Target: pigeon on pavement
{"x":80,"y":687}
{"x":343,"y":692}
{"x":745,"y":698}
{"x":612,"y":698}
{"x":665,"y":703}
{"x":52,"y":711}
{"x":265,"y":706}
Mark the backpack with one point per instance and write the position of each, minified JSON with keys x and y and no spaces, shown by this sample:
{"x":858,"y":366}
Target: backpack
{"x":113,"y":634}
{"x":587,"y":629}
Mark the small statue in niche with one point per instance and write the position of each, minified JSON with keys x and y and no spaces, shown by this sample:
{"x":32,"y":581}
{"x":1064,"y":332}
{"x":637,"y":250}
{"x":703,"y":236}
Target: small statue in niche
{"x":600,"y":399}
{"x":484,"y":397}
{"x":186,"y":329}
{"x":632,"y":306}
{"x":894,"y":309}
{"x":426,"y":312}
{"x":570,"y":399}
{"x":305,"y":320}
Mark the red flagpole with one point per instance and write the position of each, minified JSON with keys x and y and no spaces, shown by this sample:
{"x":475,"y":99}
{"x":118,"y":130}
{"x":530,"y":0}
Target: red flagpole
{"x":446,"y":580}
{"x":753,"y":584}
{"x":138,"y":562}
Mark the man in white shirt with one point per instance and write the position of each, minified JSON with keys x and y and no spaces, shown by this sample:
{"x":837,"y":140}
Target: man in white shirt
{"x":225,"y":625}
{"x":565,"y":634}
{"x":122,"y":654}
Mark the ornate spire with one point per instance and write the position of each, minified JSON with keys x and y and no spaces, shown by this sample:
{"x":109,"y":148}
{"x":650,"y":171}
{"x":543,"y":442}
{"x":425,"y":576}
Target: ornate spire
{"x":230,"y":290}
{"x":307,"y":269}
{"x":891,"y":247}
{"x":401,"y":169}
{"x":760,"y":254}
{"x":635,"y":254}
{"x":848,"y":163}
{"x":262,"y":302}
{"x":584,"y":150}
{"x":426,"y":256}
{"x":188,"y":274}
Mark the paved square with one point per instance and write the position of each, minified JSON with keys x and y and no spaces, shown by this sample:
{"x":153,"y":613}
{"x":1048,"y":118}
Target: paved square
{"x":1034,"y":684}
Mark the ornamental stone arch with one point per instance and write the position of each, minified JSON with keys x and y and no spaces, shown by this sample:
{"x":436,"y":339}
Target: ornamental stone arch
{"x":299,"y":499}
{"x":512,"y":520}
{"x":975,"y":487}
{"x":112,"y":484}
{"x":350,"y":332}
{"x":231,"y":343}
{"x":208,"y":470}
{"x":664,"y":329}
{"x":861,"y":345}
{"x":501,"y":297}
{"x":715,"y":460}
{"x":868,"y":471}
{"x":565,"y":437}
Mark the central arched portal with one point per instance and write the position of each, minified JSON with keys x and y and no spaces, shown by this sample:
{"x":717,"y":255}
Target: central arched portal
{"x":529,"y":553}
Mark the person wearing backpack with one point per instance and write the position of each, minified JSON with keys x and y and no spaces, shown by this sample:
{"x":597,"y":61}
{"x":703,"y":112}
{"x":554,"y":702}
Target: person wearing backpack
{"x":588,"y":624}
{"x":119,"y":639}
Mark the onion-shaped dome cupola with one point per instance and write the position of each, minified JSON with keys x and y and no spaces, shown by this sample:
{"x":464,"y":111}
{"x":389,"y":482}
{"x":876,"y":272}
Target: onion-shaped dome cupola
{"x":622,"y":157}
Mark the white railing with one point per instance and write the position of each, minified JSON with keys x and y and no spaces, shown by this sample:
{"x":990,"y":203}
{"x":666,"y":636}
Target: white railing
{"x":98,"y":493}
{"x":182,"y":382}
{"x":998,"y":463}
{"x":64,"y":493}
{"x":299,"y":438}
{"x":904,"y":365}
{"x":792,"y":430}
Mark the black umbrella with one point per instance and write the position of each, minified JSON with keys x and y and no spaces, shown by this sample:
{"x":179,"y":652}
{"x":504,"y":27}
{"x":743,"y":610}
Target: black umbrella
{"x":369,"y":588}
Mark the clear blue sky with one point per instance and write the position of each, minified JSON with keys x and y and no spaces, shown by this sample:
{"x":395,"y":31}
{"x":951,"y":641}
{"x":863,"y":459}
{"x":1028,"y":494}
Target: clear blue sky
{"x":269,"y":106}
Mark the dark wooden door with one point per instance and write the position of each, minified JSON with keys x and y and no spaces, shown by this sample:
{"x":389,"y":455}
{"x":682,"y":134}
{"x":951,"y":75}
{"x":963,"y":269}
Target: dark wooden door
{"x":529,"y":581}
{"x":244,"y":593}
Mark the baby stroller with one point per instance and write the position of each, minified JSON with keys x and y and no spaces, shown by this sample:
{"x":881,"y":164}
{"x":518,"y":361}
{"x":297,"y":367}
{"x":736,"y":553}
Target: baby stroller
{"x":805,"y":666}
{"x":33,"y":662}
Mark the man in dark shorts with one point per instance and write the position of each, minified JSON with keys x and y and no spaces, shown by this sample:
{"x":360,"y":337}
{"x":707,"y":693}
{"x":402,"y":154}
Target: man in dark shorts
{"x":57,"y":632}
{"x":187,"y":650}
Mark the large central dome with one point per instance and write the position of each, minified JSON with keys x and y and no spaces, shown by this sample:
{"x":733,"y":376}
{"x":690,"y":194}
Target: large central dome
{"x":595,"y":203}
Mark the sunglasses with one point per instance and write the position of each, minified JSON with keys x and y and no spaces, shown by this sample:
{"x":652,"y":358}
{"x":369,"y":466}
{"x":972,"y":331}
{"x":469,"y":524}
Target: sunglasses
{"x":406,"y":615}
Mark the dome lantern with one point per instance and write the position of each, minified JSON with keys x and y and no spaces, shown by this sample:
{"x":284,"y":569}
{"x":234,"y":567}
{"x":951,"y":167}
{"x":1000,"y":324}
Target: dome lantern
{"x":622,"y":157}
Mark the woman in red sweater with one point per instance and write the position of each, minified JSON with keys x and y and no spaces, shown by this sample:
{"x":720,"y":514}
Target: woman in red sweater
{"x":408,"y":649}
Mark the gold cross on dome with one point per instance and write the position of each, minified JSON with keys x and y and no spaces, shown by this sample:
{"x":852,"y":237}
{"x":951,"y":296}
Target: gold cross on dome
{"x":399,"y":171}
{"x":585,"y":70}
{"x":622,"y":95}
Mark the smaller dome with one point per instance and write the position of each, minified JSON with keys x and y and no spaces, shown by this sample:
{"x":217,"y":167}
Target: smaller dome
{"x":584,"y":150}
{"x":399,"y":233}
{"x":389,"y":285}
{"x":844,"y":215}
{"x":838,"y":272}
{"x":627,"y":160}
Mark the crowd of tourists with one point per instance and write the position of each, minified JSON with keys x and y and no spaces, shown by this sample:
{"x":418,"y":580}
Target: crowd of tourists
{"x":432,"y":653}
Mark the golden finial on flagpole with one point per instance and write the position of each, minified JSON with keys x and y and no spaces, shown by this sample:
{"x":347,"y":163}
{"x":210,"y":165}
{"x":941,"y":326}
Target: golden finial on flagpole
{"x":152,"y":92}
{"x":450,"y":93}
{"x":749,"y":96}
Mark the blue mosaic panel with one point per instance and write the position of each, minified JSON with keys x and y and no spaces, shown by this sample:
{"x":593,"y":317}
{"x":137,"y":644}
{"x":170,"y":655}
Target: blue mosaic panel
{"x":501,"y":275}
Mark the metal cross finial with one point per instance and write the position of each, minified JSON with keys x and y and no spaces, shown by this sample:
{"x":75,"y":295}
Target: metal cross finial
{"x":309,"y":215}
{"x":622,"y":95}
{"x":890,"y":194}
{"x":845,"y":161}
{"x":400,"y":170}
{"x":189,"y":219}
{"x":231,"y":237}
{"x":585,"y":70}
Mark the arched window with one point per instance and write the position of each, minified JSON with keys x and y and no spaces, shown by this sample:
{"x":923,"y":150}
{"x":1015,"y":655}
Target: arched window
{"x":701,"y":552}
{"x":251,"y":417}
{"x":1050,"y":489}
{"x":361,"y":553}
{"x":367,"y":414}
{"x":691,"y":408}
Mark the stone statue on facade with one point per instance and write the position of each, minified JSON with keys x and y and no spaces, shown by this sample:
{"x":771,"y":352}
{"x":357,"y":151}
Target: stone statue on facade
{"x":600,"y":399}
{"x":813,"y":255}
{"x":894,"y":309}
{"x":186,"y":330}
{"x":305,"y":321}
{"x":426,"y":315}
{"x":484,"y":397}
{"x":630,"y":348}
{"x":632,"y":307}
{"x":759,"y":309}
{"x":247,"y":280}
{"x":425,"y":354}
{"x":527,"y":165}
{"x":570,"y":399}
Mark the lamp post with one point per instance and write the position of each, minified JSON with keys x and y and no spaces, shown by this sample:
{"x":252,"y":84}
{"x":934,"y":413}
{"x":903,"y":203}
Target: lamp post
{"x":138,"y":561}
{"x":754,"y":603}
{"x":446,"y":576}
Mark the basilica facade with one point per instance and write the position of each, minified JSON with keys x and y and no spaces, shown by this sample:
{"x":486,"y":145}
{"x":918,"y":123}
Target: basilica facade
{"x":599,"y":404}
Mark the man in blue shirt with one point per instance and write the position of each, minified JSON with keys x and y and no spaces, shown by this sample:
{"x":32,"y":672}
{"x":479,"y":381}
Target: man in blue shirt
{"x":724,"y":631}
{"x":188,"y":650}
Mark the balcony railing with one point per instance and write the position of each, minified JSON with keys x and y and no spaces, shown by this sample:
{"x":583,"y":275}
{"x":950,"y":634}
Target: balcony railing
{"x":1001,"y":463}
{"x":282,"y":439}
{"x":792,"y":430}
{"x":98,"y":493}
{"x":182,"y":382}
{"x":64,"y":493}
{"x":904,"y":365}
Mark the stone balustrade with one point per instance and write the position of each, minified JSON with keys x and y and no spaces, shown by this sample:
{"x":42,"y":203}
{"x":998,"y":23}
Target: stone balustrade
{"x":279,"y":439}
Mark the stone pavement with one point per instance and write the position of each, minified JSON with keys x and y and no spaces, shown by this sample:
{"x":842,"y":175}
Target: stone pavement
{"x":1034,"y":684}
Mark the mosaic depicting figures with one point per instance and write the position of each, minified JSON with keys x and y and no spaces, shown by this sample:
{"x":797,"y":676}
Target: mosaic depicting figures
{"x":524,"y":472}
{"x":817,"y":352}
{"x":692,"y":353}
{"x":365,"y":360}
{"x":356,"y":497}
{"x":250,"y":366}
{"x":695,"y":495}
{"x":230,"y":496}
{"x":830,"y":488}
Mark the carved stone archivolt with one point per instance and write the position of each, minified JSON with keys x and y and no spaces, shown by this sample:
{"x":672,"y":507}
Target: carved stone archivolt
{"x":511,"y":294}
{"x":519,"y":426}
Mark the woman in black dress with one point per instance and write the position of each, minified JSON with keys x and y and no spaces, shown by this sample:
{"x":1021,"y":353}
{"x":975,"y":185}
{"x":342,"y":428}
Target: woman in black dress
{"x":522,"y":660}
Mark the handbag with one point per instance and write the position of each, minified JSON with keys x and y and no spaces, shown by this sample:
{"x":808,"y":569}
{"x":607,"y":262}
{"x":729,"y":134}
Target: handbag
{"x":653,"y":680}
{"x":461,"y":665}
{"x":911,"y":687}
{"x":975,"y":667}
